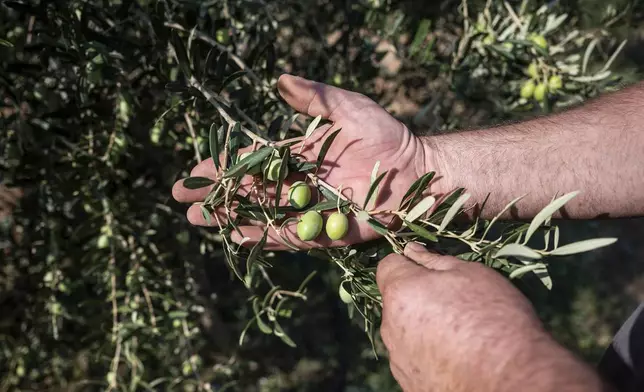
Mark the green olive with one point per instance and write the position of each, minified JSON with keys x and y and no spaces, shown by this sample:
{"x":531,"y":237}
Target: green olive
{"x":253,"y":170}
{"x":337,"y":226}
{"x":299,"y":194}
{"x":527,"y":90}
{"x":533,"y":71}
{"x":103,"y":242}
{"x":555,"y":83}
{"x":223,"y":36}
{"x":309,"y":226}
{"x":539,"y":40}
{"x":540,"y":92}
{"x":489,"y":39}
{"x":271,"y":168}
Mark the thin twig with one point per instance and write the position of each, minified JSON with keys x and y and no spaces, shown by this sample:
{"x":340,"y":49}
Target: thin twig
{"x":191,"y":129}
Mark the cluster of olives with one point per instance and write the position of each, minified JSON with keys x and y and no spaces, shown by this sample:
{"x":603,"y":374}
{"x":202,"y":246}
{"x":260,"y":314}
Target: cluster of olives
{"x":310,"y":225}
{"x":299,"y":195}
{"x":537,"y":87}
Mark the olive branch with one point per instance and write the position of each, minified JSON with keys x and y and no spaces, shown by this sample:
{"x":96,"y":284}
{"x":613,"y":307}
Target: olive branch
{"x":424,"y":218}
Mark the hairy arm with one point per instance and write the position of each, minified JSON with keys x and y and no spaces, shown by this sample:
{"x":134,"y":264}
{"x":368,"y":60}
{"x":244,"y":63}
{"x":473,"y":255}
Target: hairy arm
{"x":597,"y":149}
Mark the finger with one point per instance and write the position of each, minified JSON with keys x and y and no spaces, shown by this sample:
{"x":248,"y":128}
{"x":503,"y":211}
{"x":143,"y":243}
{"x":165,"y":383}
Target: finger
{"x":427,"y":259}
{"x":318,"y":99}
{"x":395,"y":268}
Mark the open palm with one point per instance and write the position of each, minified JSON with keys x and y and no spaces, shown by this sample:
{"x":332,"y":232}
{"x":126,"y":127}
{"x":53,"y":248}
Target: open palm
{"x":369,"y":134}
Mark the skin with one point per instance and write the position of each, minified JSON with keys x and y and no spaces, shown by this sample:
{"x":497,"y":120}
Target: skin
{"x":450,"y":325}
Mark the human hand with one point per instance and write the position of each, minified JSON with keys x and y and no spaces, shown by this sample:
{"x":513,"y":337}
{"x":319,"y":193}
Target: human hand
{"x":369,"y":134}
{"x":450,"y":325}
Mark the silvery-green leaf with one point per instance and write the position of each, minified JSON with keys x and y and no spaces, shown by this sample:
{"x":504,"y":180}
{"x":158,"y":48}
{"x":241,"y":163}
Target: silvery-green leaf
{"x":583,"y":246}
{"x":372,"y":190}
{"x":213,"y":138}
{"x":421,"y":208}
{"x":517,"y":250}
{"x":614,"y":56}
{"x":519,"y":272}
{"x":255,"y":158}
{"x":416,"y":190}
{"x":453,"y":211}
{"x":312,"y":127}
{"x":197,"y":182}
{"x":206,"y":215}
{"x":587,"y":53}
{"x":547,"y":212}
{"x":593,"y":78}
{"x":327,"y":205}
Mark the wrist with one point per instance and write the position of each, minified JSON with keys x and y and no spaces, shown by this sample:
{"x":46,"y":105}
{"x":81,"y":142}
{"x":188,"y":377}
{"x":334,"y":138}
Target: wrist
{"x":541,"y":364}
{"x":436,"y":160}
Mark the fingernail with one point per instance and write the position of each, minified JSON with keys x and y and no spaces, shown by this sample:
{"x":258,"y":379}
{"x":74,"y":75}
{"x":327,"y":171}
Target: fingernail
{"x":415,"y":247}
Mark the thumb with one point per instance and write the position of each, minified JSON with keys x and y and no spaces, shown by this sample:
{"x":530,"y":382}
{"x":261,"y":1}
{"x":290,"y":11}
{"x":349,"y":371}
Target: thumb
{"x":313,"y":98}
{"x":430,"y":260}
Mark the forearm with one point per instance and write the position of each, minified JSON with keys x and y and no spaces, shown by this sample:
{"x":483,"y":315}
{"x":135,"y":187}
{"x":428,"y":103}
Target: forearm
{"x":597,"y":149}
{"x":548,"y":367}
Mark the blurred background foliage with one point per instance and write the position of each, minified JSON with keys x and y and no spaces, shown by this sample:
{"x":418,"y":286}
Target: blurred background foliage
{"x":105,"y":286}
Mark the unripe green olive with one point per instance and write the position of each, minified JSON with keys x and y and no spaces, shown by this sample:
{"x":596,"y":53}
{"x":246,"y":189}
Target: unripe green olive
{"x":310,"y":226}
{"x":539,"y":40}
{"x":533,"y":71}
{"x":299,"y":194}
{"x":489,"y":39}
{"x":555,"y":83}
{"x":337,"y":226}
{"x":103,"y":242}
{"x":540,"y":92}
{"x":271,"y":168}
{"x":223,"y":36}
{"x":253,"y":170}
{"x":527,"y":90}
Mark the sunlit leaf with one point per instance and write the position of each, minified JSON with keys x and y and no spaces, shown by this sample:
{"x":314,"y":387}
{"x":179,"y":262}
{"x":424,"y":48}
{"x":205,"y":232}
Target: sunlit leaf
{"x":547,"y":212}
{"x":517,"y":250}
{"x":372,"y":190}
{"x":519,"y":272}
{"x":197,"y":182}
{"x":583,"y":246}
{"x":421,"y":208}
{"x":453,"y":211}
{"x":312,"y":127}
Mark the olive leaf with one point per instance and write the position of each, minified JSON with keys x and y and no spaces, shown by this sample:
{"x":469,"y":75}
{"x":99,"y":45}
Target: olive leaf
{"x":253,"y":159}
{"x":206,"y":215}
{"x":255,"y":251}
{"x":517,"y":250}
{"x":421,"y":231}
{"x":312,"y":127}
{"x":285,"y":154}
{"x":197,"y":182}
{"x":288,"y":124}
{"x":231,"y":78}
{"x":416,"y":189}
{"x":583,"y":246}
{"x":327,"y":205}
{"x":213,"y":141}
{"x":258,"y":316}
{"x":180,"y":52}
{"x":300,"y":166}
{"x":325,"y":148}
{"x":377,"y":226}
{"x":421,"y":208}
{"x":547,"y":212}
{"x":220,"y":68}
{"x":519,"y":272}
{"x":453,"y":211}
{"x":372,"y":189}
